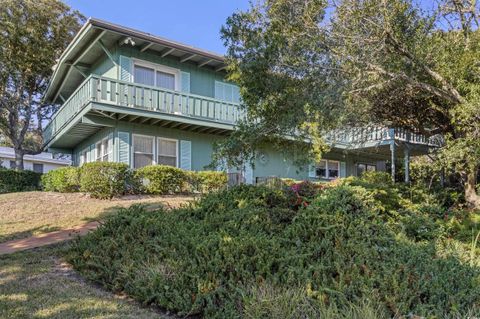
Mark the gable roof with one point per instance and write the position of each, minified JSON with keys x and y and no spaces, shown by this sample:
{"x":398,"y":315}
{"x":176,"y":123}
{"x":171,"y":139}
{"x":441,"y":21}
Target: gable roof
{"x":96,"y":35}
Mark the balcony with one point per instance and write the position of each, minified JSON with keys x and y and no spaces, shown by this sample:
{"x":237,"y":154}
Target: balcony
{"x":125,"y":97}
{"x":374,"y":136}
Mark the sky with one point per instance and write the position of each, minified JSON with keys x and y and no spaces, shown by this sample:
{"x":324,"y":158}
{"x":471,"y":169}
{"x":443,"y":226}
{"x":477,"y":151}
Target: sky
{"x":193,"y":22}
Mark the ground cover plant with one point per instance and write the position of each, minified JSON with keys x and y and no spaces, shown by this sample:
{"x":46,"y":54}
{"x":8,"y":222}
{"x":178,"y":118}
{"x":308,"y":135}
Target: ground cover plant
{"x":356,"y":248}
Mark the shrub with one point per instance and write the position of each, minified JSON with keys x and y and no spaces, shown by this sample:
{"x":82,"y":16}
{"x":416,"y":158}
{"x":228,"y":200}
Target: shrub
{"x":18,"y":181}
{"x":161,"y":179}
{"x":211,"y":181}
{"x":64,"y":180}
{"x":105,"y":179}
{"x":218,"y":258}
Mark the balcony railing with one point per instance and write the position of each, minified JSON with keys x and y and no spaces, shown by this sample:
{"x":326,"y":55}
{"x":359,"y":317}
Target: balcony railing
{"x":360,"y":136}
{"x":138,"y":96}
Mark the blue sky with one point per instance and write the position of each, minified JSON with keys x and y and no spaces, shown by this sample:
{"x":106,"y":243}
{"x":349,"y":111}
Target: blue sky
{"x":193,"y":22}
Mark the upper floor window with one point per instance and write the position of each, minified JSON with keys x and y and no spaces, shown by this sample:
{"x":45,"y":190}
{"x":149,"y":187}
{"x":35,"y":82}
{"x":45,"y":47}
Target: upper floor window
{"x":155,"y":75}
{"x":227,"y":92}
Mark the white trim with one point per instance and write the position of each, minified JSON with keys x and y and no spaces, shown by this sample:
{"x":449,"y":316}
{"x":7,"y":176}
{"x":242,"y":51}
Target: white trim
{"x":157,"y":67}
{"x":177,"y":152}
{"x":133,"y":148}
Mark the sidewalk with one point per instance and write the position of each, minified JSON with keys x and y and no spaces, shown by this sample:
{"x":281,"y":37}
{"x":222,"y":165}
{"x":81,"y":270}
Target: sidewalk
{"x":46,"y":239}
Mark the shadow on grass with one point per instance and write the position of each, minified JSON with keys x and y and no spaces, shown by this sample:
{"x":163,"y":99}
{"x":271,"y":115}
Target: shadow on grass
{"x":38,"y":284}
{"x":28,"y":233}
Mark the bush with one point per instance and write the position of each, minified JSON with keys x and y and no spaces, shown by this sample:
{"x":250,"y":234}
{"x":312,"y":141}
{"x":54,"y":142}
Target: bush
{"x":63,"y":180}
{"x":161,"y":179}
{"x":211,"y":181}
{"x":346,"y":250}
{"x":18,"y":181}
{"x":105,"y":179}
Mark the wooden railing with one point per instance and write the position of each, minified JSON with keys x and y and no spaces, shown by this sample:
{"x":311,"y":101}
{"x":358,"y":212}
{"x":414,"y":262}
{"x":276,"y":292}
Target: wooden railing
{"x":360,"y":136}
{"x":138,"y":96}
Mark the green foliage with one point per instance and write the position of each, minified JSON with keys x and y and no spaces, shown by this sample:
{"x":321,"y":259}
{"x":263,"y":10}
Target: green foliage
{"x":63,"y":180}
{"x":211,"y":181}
{"x":18,"y":181}
{"x":245,"y":252}
{"x":105,"y":179}
{"x":161,"y":179}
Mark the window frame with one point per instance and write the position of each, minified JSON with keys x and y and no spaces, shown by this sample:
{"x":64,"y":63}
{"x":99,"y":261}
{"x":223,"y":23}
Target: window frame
{"x":327,"y":169}
{"x":366,"y":167}
{"x":233,"y":87}
{"x":158,"y":139}
{"x":157,"y":67}
{"x":134,"y":152}
{"x":105,"y":150}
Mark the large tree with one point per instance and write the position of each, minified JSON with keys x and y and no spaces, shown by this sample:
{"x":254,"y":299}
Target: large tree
{"x":308,"y":64}
{"x":33,"y":34}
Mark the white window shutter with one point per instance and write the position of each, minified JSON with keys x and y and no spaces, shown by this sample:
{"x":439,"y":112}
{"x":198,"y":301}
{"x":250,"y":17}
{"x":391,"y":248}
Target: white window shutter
{"x":186,"y":155}
{"x":185,"y":82}
{"x":343,"y":169}
{"x":124,"y":147}
{"x":312,"y":171}
{"x":125,"y":69}
{"x":248,"y":173}
{"x":110,"y":147}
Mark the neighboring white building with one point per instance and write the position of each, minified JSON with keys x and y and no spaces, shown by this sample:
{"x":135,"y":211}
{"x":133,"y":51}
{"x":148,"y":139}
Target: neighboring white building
{"x":40,"y":163}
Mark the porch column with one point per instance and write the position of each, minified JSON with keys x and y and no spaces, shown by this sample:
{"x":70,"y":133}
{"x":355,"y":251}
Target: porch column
{"x":392,"y":151}
{"x":406,"y":153}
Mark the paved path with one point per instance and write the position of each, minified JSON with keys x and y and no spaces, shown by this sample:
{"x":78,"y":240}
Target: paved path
{"x":46,"y":239}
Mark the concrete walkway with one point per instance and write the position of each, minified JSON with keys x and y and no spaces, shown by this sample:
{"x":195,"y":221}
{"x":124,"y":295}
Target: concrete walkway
{"x":46,"y":239}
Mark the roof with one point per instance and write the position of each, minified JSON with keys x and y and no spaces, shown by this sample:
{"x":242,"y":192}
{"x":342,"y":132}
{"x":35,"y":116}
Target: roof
{"x":90,"y":42}
{"x":44,"y":157}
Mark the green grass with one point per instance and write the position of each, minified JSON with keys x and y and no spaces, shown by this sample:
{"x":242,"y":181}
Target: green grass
{"x":31,"y":213}
{"x":39,"y":284}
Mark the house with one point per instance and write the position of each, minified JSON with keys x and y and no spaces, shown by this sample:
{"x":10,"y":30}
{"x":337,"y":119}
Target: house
{"x":132,"y":97}
{"x":40,"y":163}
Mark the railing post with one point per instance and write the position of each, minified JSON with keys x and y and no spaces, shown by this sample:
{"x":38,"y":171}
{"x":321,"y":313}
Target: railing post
{"x":407,"y":164}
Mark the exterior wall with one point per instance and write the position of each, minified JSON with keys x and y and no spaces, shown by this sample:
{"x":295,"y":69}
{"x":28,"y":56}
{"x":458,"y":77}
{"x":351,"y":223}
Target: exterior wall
{"x":276,"y":163}
{"x":202,"y":80}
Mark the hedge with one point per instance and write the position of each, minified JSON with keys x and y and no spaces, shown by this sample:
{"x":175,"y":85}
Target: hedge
{"x":64,"y":180}
{"x":206,"y":181}
{"x":18,"y":181}
{"x":161,"y":179}
{"x":105,"y":179}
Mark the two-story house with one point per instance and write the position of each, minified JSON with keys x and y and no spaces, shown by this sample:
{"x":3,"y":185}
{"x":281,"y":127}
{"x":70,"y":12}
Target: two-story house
{"x":132,"y":97}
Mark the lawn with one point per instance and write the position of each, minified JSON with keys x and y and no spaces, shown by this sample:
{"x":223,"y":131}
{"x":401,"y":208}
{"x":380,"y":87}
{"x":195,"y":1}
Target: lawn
{"x":39,"y":284}
{"x":32,"y":213}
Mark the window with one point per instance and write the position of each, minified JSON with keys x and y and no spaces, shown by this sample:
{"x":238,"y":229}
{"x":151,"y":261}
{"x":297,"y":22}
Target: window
{"x":38,"y":168}
{"x":83,"y":157}
{"x":167,"y":152}
{"x":155,"y":75}
{"x":227,"y":92}
{"x":362,"y":168}
{"x":328,"y":169}
{"x":103,"y":150}
{"x":321,"y":170}
{"x":12,"y":164}
{"x":142,"y":151}
{"x":333,"y":169}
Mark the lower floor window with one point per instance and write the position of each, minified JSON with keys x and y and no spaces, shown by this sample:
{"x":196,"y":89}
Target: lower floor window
{"x":328,"y":169}
{"x":103,"y":150}
{"x":167,"y":152}
{"x":142,"y":150}
{"x":362,"y":168}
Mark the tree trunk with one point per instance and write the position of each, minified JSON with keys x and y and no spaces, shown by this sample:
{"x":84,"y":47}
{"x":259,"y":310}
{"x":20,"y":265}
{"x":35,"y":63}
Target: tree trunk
{"x":471,"y":196}
{"x":19,"y":159}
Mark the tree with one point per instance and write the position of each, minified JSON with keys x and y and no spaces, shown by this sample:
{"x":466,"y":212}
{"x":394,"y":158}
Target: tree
{"x":381,"y":61}
{"x":33,"y":34}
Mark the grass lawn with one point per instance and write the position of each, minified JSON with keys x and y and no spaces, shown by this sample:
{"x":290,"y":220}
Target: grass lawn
{"x":39,"y":284}
{"x":32,"y":213}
